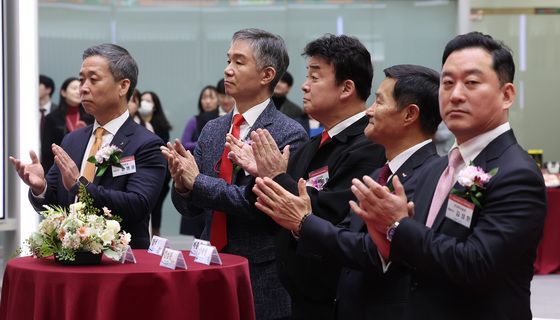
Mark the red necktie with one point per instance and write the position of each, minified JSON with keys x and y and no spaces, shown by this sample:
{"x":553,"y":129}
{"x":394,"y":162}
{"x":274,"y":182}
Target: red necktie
{"x":218,"y":231}
{"x":444,"y":185}
{"x":384,"y":175}
{"x":324,"y":138}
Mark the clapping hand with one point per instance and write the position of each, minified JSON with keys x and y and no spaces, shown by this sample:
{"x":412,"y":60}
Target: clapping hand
{"x":270,"y":161}
{"x":282,"y":206}
{"x":69,"y":171}
{"x":31,"y":174}
{"x":241,"y":153}
{"x":182,"y":166}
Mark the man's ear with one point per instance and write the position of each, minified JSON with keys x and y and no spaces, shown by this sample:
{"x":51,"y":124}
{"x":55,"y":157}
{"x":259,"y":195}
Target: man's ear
{"x":268,"y":74}
{"x":411,"y":114}
{"x":348,"y":88}
{"x":508,"y":93}
{"x":124,"y":85}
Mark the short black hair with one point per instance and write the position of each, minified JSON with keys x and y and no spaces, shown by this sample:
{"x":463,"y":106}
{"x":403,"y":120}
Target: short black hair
{"x":287,"y":77}
{"x":501,"y":54}
{"x":420,"y":86}
{"x":47,"y":82}
{"x":349,"y":57}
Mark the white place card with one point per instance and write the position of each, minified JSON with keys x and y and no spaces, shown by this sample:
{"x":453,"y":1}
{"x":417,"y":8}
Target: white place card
{"x":173,"y":259}
{"x":157,"y":245}
{"x":128,"y":256}
{"x":207,"y":254}
{"x":128,"y":167}
{"x":195,"y":244}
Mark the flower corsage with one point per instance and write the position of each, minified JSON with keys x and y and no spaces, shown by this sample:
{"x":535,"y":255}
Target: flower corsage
{"x":106,"y":157}
{"x":474,"y":179}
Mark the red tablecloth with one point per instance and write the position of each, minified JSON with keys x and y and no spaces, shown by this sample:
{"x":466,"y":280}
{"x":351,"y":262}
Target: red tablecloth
{"x":548,"y":254}
{"x":42,"y":289}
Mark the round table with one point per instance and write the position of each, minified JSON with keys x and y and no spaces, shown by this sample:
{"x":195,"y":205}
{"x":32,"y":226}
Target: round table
{"x":42,"y":289}
{"x":548,"y":253}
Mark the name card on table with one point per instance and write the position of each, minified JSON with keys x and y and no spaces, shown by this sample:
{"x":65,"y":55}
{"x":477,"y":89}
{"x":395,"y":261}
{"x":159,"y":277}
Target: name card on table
{"x":157,"y":245}
{"x":207,"y":254}
{"x":128,"y":256}
{"x":173,"y":259}
{"x":195,"y":244}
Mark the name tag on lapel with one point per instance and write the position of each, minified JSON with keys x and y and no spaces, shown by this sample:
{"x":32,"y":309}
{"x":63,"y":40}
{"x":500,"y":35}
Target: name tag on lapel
{"x":318,"y":178}
{"x":129,"y":166}
{"x":459,"y":210}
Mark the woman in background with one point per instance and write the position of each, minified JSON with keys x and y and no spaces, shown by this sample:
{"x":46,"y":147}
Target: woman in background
{"x":69,"y":116}
{"x":133,"y":105}
{"x":153,"y":117}
{"x":207,"y":102}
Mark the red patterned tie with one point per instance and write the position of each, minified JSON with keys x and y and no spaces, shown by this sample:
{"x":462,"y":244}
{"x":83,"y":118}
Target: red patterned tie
{"x":384,"y":175}
{"x":218,"y":230}
{"x":324,"y":138}
{"x":444,"y":185}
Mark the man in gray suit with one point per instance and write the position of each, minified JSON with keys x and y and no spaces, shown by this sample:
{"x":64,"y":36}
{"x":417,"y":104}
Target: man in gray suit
{"x":207,"y":183}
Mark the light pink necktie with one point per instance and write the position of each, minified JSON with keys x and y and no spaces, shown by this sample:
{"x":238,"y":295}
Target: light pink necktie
{"x":444,"y":185}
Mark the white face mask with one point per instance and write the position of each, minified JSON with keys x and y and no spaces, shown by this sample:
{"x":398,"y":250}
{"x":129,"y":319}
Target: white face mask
{"x":146,"y":108}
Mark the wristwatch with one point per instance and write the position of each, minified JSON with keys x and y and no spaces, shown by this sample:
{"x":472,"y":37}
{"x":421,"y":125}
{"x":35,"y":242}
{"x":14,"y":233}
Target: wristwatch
{"x":82,"y":181}
{"x":391,"y":230}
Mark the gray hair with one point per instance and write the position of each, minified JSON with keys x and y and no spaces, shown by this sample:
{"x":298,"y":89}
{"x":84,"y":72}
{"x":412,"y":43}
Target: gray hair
{"x":269,"y":50}
{"x":121,"y":63}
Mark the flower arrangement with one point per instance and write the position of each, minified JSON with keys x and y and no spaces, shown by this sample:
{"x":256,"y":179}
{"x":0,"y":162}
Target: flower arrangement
{"x":106,"y":157}
{"x":474,"y":179}
{"x":79,"y":229}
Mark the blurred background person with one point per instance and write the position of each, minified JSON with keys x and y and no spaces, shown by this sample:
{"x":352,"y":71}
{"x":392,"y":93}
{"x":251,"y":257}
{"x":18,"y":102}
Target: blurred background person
{"x":46,"y":90}
{"x":311,"y":126}
{"x":280,"y":97}
{"x":443,"y":139}
{"x":207,"y":110}
{"x":69,"y":116}
{"x":225,"y":101}
{"x":133,"y":105}
{"x":153,"y":118}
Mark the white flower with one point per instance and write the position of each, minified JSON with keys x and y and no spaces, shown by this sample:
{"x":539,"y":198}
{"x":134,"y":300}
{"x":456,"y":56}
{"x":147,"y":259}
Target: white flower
{"x":107,"y":236}
{"x":107,"y":212}
{"x":76,"y":207}
{"x":473,"y":175}
{"x":105,"y":153}
{"x":113,"y":226}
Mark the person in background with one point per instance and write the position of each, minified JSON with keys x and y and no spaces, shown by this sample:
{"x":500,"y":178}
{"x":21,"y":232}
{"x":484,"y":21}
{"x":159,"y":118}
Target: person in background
{"x":69,"y":116}
{"x":280,"y":97}
{"x":133,"y":105}
{"x":225,"y":101}
{"x":311,"y":126}
{"x":207,"y":105}
{"x":153,"y":117}
{"x":46,"y":90}
{"x":443,"y":139}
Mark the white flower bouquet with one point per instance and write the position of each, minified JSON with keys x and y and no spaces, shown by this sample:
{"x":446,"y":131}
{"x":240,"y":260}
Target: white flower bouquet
{"x":81,"y":228}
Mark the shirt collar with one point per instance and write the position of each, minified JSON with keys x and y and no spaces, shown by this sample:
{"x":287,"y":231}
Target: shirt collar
{"x":47,"y":106}
{"x":114,"y":125}
{"x":339,"y":127}
{"x":471,"y":149}
{"x":253,"y":113}
{"x":401,"y":158}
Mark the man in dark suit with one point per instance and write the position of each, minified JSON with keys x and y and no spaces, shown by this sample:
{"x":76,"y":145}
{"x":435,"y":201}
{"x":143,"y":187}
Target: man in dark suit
{"x":339,"y":75}
{"x":208,"y":184}
{"x":280,"y":97}
{"x":469,"y":253}
{"x":403,"y":119}
{"x":46,"y":90}
{"x":107,"y":79}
